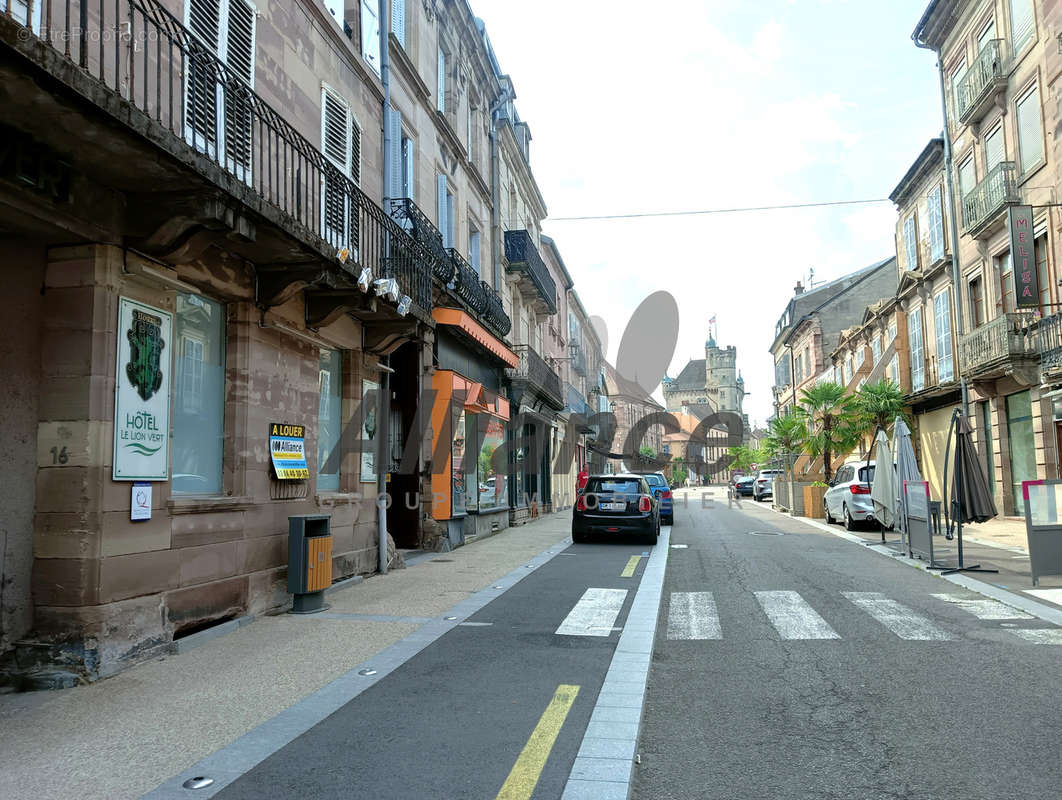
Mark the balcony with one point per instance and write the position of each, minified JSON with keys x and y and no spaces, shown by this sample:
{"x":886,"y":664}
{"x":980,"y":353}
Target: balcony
{"x":983,"y":206}
{"x":534,"y":376}
{"x":975,"y":94}
{"x":522,"y":257}
{"x":1051,"y":349}
{"x":1000,"y":347}
{"x":154,"y":115}
{"x":579,"y":364}
{"x":416,"y":223}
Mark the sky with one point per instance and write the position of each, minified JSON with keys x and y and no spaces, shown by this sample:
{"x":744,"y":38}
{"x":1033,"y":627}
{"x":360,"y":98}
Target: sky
{"x":717,"y":104}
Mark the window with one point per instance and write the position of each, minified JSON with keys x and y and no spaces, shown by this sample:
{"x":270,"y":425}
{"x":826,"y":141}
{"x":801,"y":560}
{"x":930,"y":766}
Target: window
{"x":1022,"y":25}
{"x":370,"y":34}
{"x":891,"y":335}
{"x":474,"y":244}
{"x":408,"y":160}
{"x":219,"y":121}
{"x":808,"y":366}
{"x":967,"y":177}
{"x":917,"y":350}
{"x":994,"y":149}
{"x":936,"y":224}
{"x":942,"y":319}
{"x":956,"y":78}
{"x":444,"y":203}
{"x":910,"y":243}
{"x":1030,"y":130}
{"x":1022,"y":444}
{"x":398,"y":20}
{"x":341,"y":145}
{"x":986,"y":439}
{"x":860,"y":355}
{"x":440,"y":85}
{"x":988,"y":32}
{"x":1006,"y":282}
{"x":329,"y":420}
{"x":893,"y":371}
{"x":1042,"y":277}
{"x":199,"y":413}
{"x":977,"y":302}
{"x":848,"y":370}
{"x":875,"y":350}
{"x":799,"y":369}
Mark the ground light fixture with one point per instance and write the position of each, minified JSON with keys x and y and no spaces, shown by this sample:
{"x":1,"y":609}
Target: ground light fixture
{"x":365,"y":279}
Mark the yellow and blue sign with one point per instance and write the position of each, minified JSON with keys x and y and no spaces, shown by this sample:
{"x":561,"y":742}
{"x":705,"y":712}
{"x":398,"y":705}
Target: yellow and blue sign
{"x":287,"y":449}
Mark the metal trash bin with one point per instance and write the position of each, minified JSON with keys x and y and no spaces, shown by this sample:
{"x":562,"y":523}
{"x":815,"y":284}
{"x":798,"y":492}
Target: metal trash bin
{"x":309,"y":561}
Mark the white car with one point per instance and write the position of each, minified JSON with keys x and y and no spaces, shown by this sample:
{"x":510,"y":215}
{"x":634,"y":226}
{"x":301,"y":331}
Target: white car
{"x":848,"y":497}
{"x":764,"y":484}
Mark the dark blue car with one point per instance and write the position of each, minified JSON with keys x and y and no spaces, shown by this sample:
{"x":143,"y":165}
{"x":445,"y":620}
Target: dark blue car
{"x":658,"y":483}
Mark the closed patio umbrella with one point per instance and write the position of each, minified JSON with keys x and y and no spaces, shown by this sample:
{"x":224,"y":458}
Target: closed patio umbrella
{"x":906,"y":469}
{"x":970,"y":499}
{"x":883,"y":484}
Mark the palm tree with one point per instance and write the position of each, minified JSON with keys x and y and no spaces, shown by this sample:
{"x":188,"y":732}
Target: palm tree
{"x":786,"y":435}
{"x":879,"y":404}
{"x":741,"y":457}
{"x":831,"y":416}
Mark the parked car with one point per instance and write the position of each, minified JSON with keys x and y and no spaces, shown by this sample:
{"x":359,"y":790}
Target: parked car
{"x":743,"y":487}
{"x":658,"y":483}
{"x":764,"y":484}
{"x":848,"y":497}
{"x":614,"y":505}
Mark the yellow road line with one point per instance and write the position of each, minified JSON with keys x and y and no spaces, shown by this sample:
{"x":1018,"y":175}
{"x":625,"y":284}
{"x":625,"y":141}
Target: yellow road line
{"x":528,"y":767}
{"x":632,"y":565}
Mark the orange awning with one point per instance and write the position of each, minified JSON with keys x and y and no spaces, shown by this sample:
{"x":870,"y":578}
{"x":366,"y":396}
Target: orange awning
{"x":462,"y":321}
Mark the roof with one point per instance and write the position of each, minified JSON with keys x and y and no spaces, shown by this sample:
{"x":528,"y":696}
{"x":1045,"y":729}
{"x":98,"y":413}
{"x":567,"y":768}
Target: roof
{"x":693,"y":376}
{"x":552,"y":245}
{"x":619,"y":386}
{"x":931,"y":157}
{"x":937,"y":20}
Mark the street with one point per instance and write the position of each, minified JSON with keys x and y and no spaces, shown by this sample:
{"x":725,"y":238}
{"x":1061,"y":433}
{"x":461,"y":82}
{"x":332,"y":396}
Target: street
{"x":788,"y":663}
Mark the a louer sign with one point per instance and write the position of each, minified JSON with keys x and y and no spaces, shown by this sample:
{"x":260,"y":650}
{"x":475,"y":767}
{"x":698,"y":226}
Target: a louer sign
{"x":142,"y":393}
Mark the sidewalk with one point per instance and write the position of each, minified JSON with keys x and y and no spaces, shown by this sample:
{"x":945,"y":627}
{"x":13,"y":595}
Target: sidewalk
{"x":125,"y":735}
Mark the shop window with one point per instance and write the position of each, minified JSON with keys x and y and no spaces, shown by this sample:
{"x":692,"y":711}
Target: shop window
{"x":199,"y":409}
{"x":329,"y":420}
{"x":1022,"y":445}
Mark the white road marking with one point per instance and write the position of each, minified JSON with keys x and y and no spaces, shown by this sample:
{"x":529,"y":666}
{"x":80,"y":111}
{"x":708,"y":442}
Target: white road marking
{"x":898,"y":618}
{"x":793,"y":618}
{"x":983,"y":607}
{"x":1040,"y":635}
{"x":693,"y":615}
{"x":1050,"y":595}
{"x":594,"y":614}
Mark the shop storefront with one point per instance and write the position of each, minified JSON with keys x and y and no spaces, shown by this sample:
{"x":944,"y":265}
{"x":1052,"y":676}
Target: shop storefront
{"x":470,"y":420}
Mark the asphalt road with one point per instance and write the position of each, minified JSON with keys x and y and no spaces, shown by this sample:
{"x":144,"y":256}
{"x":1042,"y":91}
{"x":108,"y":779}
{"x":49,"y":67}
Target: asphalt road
{"x":816,"y":669}
{"x":452,"y":721}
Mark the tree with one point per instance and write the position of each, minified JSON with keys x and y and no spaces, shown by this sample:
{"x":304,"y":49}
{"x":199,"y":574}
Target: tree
{"x":678,"y":472}
{"x":743,"y":457}
{"x":646,"y":452}
{"x":879,"y":404}
{"x":833,"y":422}
{"x":786,"y":435}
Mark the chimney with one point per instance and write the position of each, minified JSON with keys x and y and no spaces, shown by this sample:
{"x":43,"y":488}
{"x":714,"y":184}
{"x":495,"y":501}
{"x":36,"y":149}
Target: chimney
{"x":799,"y":288}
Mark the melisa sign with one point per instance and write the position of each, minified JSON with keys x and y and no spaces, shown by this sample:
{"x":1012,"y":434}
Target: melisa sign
{"x":1022,"y":255}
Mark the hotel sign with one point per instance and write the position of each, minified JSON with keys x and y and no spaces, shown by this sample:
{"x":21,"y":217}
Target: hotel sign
{"x":1023,"y":256}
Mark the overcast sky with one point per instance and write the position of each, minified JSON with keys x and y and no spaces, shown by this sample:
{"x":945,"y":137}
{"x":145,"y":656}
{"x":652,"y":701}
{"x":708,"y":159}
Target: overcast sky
{"x":640,"y":107}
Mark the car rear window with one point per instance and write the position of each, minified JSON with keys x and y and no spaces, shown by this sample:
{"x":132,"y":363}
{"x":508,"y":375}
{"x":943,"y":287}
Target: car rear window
{"x":655,"y":480}
{"x":866,"y":474}
{"x":599,"y":485}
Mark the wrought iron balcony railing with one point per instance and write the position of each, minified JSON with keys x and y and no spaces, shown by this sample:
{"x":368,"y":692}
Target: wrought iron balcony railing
{"x":995,"y":344}
{"x":984,"y":203}
{"x":163,"y":79}
{"x":495,"y":315}
{"x":522,"y":256}
{"x":1050,"y":341}
{"x":416,"y":223}
{"x":987,"y":74}
{"x":537,"y":374}
{"x":466,"y":283}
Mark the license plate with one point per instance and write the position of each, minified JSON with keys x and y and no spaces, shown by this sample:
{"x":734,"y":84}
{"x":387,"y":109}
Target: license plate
{"x":613,"y":506}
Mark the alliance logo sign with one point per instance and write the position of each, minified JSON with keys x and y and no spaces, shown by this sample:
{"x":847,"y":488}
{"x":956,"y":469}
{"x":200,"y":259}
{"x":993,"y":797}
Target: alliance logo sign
{"x":141,"y":402}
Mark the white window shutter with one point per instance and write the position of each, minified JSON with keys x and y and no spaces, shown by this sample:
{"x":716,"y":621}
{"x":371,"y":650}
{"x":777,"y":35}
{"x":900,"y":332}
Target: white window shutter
{"x":239,"y":40}
{"x":1022,"y":27}
{"x":394,"y":165}
{"x":1030,"y":136}
{"x":204,"y":20}
{"x":370,"y":34}
{"x":398,"y":20}
{"x":994,"y":152}
{"x":335,"y":130}
{"x":440,"y":197}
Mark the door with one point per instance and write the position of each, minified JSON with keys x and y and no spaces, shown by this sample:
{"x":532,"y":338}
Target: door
{"x":1022,"y":445}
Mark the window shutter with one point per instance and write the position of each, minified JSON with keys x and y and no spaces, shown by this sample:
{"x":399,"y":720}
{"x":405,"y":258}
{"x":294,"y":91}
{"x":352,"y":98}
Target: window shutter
{"x":204,"y":20}
{"x":440,"y":88}
{"x":936,"y":224}
{"x":1022,"y":28}
{"x":334,"y":129}
{"x":473,"y":250}
{"x":994,"y":152}
{"x":370,"y":34}
{"x":394,"y":166}
{"x":1030,"y":138}
{"x":398,"y":20}
{"x":440,"y":197}
{"x":239,"y":57}
{"x":355,"y":151}
{"x":966,"y":177}
{"x":336,"y":146}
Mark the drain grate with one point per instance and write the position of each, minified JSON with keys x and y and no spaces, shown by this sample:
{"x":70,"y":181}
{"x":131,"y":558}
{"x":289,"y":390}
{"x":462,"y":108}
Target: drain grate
{"x":765,"y":533}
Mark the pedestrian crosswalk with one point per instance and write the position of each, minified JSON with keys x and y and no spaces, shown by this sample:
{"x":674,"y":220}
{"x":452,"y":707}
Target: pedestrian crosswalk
{"x":695,"y":616}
